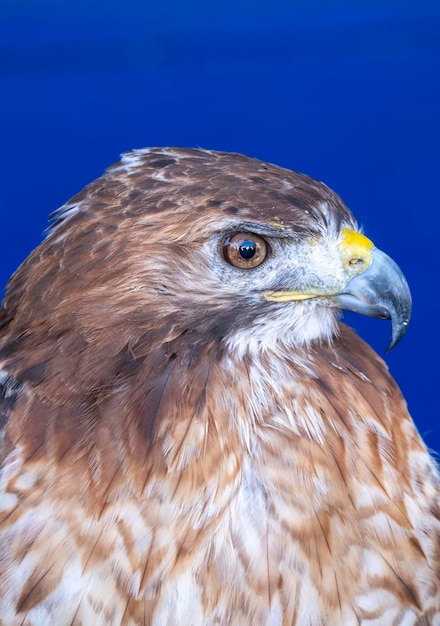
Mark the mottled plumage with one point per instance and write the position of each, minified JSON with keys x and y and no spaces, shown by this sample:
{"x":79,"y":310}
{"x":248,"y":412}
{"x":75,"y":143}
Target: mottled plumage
{"x":188,"y":441}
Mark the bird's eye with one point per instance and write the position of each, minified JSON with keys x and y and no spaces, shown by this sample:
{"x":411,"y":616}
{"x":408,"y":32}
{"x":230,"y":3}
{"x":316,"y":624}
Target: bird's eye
{"x":244,"y":250}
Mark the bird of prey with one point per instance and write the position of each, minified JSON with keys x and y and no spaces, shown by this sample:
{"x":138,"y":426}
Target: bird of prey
{"x":190,"y":436}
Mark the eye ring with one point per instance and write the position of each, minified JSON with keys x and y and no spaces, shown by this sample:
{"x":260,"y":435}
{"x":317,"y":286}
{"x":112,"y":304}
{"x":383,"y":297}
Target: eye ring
{"x":245,"y":250}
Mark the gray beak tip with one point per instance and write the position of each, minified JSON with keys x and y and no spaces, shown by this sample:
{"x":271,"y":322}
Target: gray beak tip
{"x":397,"y":333}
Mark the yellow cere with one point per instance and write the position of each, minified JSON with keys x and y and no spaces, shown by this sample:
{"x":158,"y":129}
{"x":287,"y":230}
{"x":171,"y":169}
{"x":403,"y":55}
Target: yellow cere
{"x":356,"y":248}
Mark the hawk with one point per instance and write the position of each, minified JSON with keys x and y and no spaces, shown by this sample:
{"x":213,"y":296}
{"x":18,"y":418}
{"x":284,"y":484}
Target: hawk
{"x":189,"y":434}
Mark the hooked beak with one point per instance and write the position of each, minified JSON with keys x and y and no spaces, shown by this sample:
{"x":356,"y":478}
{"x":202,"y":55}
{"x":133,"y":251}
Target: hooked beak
{"x":380,"y":291}
{"x":375,"y":287}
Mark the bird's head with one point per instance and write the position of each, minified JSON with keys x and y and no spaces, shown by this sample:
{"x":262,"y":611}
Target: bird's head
{"x":209,"y":245}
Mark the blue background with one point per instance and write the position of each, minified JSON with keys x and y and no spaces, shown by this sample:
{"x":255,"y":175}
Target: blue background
{"x":348,"y":92}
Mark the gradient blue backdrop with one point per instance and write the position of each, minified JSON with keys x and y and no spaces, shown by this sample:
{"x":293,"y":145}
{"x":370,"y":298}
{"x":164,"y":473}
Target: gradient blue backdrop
{"x":348,"y":92}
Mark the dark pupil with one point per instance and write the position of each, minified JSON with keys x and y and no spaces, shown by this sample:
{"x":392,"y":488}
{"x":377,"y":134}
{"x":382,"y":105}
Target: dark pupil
{"x":247,"y":249}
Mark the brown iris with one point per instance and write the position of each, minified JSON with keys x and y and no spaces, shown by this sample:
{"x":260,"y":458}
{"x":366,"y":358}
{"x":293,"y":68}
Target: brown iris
{"x":244,"y":250}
